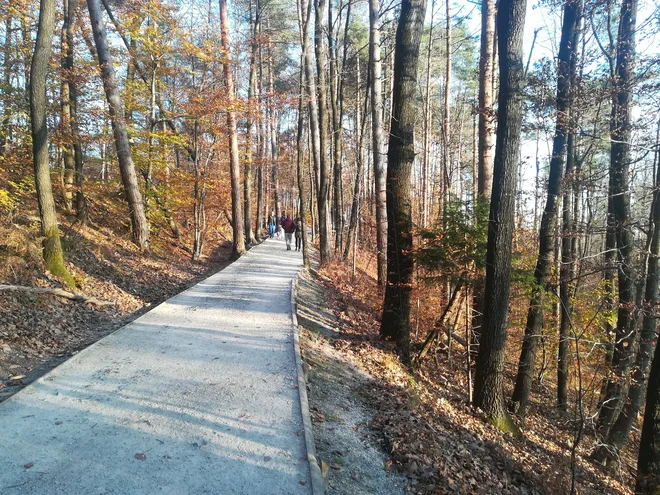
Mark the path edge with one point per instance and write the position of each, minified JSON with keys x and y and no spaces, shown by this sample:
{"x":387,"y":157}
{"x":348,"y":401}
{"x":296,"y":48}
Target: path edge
{"x":318,"y":485}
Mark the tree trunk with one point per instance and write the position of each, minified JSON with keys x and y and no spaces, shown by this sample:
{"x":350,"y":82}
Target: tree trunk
{"x":52,"y":252}
{"x":304,"y":14}
{"x":489,"y":380}
{"x":324,"y":179}
{"x":5,"y":132}
{"x":427,"y":127}
{"x":566,"y":272}
{"x":116,"y":111}
{"x":359,"y":164}
{"x":238,"y":239}
{"x":485,"y":152}
{"x":247,"y":186}
{"x":446,"y":113}
{"x":533,"y":327}
{"x":625,"y":333}
{"x":400,"y":157}
{"x":620,"y":432}
{"x":375,"y":74}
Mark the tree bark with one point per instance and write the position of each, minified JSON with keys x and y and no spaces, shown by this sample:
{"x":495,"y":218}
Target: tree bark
{"x":376,"y":76}
{"x":238,"y":239}
{"x":116,"y":111}
{"x":625,"y":332}
{"x":395,"y":323}
{"x":620,"y":432}
{"x":52,"y":248}
{"x":324,"y":179}
{"x":359,"y":164}
{"x":567,"y":52}
{"x":247,"y":186}
{"x":489,"y":380}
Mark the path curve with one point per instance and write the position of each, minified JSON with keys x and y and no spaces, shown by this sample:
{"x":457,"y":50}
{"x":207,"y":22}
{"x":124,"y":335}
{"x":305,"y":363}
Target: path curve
{"x":199,"y":395}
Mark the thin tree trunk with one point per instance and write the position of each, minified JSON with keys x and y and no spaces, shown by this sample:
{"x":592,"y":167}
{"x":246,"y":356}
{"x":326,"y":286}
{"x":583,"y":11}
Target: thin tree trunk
{"x":52,"y":248}
{"x":427,"y":126}
{"x":395,"y":323}
{"x":247,"y":186}
{"x":489,"y":380}
{"x":5,"y":133}
{"x":238,"y":239}
{"x":375,"y":74}
{"x":566,"y":272}
{"x":565,"y":76}
{"x":359,"y":162}
{"x":303,"y":21}
{"x":324,"y":179}
{"x":116,"y":111}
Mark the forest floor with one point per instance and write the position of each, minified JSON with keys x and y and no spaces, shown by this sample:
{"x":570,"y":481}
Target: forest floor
{"x":37,"y":331}
{"x":374,"y":418}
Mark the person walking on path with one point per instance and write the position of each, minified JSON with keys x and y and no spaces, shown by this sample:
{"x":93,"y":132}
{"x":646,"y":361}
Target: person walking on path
{"x":298,"y":234}
{"x":272,"y":224}
{"x":289,"y":227}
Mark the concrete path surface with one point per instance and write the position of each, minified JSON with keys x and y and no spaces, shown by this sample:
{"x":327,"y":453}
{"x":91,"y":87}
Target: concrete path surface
{"x":199,"y":395}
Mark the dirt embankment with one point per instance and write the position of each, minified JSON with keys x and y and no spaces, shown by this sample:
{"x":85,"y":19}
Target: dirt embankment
{"x":38,"y":331}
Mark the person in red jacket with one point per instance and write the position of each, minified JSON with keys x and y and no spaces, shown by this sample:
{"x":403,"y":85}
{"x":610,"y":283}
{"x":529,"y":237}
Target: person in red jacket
{"x":289,"y":227}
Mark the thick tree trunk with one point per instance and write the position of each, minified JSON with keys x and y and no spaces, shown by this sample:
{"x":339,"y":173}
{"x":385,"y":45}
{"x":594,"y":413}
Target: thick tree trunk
{"x":52,"y":252}
{"x":400,"y":157}
{"x":489,"y":380}
{"x":376,"y":77}
{"x":116,"y":111}
{"x":324,"y":178}
{"x":567,"y":51}
{"x":625,"y":333}
{"x":620,"y":432}
{"x":238,"y":239}
{"x":486,"y":148}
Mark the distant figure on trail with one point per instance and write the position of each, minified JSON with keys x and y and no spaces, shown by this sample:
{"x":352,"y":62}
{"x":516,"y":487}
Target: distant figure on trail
{"x":289,"y":227}
{"x":298,"y":234}
{"x":280,"y":225}
{"x":272,"y":224}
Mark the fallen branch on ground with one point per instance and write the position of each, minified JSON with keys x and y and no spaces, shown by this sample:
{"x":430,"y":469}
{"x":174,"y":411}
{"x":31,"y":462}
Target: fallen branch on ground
{"x":57,"y":292}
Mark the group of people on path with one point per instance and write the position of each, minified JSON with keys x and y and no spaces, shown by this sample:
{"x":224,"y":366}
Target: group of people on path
{"x":288,"y":226}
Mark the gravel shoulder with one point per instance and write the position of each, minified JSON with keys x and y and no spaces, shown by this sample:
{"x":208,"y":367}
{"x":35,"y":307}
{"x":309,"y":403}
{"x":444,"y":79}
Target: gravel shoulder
{"x":351,"y":452}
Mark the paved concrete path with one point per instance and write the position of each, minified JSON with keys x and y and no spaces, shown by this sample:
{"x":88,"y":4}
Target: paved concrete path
{"x":199,"y":395}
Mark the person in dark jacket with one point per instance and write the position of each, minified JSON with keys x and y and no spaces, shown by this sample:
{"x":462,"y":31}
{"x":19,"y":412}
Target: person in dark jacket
{"x":289,"y":228}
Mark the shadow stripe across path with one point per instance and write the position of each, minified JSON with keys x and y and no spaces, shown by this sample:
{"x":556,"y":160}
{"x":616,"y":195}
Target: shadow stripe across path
{"x":199,"y":395}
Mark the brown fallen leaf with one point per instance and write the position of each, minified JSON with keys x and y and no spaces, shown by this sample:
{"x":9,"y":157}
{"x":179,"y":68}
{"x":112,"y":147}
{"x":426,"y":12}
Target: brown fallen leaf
{"x":302,"y":482}
{"x":28,"y":465}
{"x":299,"y":432}
{"x":140,"y":456}
{"x":58,"y":422}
